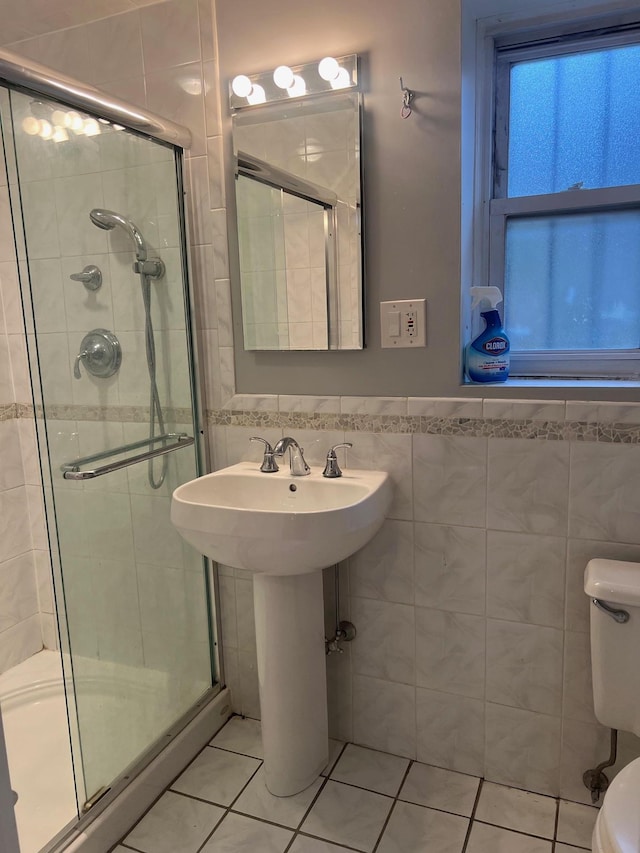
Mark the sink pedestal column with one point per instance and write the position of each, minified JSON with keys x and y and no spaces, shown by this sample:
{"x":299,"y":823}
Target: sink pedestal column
{"x":289,"y":615}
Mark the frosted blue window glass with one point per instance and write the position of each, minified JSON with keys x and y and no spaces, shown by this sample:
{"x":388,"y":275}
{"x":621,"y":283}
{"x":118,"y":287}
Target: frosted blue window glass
{"x":573,"y":281}
{"x":575,"y":119}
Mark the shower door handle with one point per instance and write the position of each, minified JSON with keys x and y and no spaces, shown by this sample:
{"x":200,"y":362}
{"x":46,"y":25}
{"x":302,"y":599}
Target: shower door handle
{"x":71,"y":470}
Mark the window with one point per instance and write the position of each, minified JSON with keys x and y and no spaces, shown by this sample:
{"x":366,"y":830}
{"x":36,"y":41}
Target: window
{"x":563,"y":229}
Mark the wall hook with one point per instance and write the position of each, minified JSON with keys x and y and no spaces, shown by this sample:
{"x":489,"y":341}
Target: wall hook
{"x":407,"y":97}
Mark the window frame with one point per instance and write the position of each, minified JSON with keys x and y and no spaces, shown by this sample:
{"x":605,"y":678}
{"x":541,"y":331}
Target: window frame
{"x":499,"y":50}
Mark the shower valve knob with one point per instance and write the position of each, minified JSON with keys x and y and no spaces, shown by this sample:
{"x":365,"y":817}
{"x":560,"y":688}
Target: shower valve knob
{"x":100,"y":353}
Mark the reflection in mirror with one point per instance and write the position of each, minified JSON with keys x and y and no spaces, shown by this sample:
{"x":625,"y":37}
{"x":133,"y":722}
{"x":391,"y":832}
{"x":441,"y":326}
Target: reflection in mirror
{"x":298,"y":199}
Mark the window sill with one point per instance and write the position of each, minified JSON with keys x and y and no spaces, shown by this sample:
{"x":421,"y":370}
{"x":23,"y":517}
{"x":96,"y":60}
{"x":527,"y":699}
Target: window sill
{"x":519,"y":382}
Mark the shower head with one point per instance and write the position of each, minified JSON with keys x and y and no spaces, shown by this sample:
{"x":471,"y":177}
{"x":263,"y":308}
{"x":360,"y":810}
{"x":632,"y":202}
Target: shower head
{"x":108,"y":219}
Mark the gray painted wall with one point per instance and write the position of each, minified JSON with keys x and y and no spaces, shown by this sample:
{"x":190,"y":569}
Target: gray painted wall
{"x":412,"y":180}
{"x":412,"y":187}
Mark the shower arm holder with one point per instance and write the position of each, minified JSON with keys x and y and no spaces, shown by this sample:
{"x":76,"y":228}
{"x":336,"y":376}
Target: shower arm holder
{"x":153,"y":268}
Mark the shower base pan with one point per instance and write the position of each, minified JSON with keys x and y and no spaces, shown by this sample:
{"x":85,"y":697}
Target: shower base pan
{"x":36,"y":731}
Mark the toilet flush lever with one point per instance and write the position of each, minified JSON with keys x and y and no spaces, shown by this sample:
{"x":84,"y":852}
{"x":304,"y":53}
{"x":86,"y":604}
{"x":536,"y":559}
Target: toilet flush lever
{"x":620,"y":616}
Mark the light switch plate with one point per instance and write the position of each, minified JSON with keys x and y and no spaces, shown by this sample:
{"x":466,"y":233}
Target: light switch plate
{"x":403,"y":323}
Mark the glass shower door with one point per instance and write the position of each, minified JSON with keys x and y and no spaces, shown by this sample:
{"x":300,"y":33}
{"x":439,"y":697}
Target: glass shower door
{"x":110,"y":358}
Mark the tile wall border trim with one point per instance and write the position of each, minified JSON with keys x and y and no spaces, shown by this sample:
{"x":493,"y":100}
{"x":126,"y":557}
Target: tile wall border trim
{"x":116,"y":414}
{"x":595,"y":428}
{"x":598,"y":421}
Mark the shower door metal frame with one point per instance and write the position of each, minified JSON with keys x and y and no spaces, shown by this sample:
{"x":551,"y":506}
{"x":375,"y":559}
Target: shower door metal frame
{"x":19,"y":74}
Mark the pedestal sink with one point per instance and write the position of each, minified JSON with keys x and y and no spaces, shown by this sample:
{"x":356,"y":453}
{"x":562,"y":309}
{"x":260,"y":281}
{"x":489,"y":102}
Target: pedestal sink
{"x":286,"y":530}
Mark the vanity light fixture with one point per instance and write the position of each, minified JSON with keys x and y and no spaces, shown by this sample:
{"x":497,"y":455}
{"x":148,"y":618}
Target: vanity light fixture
{"x":294,"y":81}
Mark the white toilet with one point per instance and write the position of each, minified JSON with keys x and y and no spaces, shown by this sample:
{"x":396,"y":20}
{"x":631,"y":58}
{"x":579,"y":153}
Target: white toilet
{"x":614,"y":589}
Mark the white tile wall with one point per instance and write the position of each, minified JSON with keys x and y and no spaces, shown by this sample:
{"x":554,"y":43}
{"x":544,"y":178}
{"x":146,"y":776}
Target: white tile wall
{"x":473,"y":647}
{"x":22,"y":620}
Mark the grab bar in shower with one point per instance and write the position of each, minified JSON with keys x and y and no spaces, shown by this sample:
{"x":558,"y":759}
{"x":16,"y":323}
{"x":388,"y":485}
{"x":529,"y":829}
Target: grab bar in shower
{"x":71,"y":470}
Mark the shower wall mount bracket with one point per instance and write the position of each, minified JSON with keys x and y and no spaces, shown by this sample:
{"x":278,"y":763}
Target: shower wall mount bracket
{"x":101,"y":354}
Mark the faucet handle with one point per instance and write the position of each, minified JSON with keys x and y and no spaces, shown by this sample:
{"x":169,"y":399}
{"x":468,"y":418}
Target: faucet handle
{"x":332,"y":469}
{"x":269,"y":464}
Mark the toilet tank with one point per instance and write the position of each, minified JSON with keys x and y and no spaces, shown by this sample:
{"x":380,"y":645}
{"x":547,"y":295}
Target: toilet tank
{"x":615,"y":645}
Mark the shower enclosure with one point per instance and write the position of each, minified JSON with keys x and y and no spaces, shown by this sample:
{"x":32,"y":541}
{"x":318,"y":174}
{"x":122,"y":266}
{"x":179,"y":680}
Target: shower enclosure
{"x":98,"y":240}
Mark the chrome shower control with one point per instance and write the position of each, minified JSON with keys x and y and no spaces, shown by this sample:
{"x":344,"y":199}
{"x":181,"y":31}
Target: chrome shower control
{"x":91,"y":277}
{"x":100,"y":353}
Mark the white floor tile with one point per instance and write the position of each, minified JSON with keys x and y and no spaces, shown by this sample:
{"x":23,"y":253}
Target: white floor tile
{"x":414,"y":829}
{"x":348,"y":816}
{"x":175,"y":824}
{"x":335,"y":748}
{"x":491,"y":839}
{"x":440,"y":789}
{"x":515,"y":809}
{"x":216,"y":775}
{"x":240,"y":735}
{"x":575,"y":823}
{"x":256,"y":800}
{"x":304,"y":844}
{"x":367,"y":768}
{"x":239,"y":834}
{"x":568,"y":848}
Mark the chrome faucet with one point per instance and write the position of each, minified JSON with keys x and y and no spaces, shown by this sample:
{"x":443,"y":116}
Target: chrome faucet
{"x":269,"y":464}
{"x":298,"y":466}
{"x":332,"y":469}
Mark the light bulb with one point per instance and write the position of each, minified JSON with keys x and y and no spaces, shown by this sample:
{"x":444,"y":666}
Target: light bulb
{"x":298,"y":88}
{"x":60,"y":134}
{"x":75,"y":121}
{"x":283,"y":77}
{"x":241,"y":86}
{"x":342,"y":81}
{"x":256,"y":95}
{"x":91,"y":127}
{"x":31,"y":125}
{"x":328,"y":68}
{"x":58,"y":117}
{"x":46,"y":131}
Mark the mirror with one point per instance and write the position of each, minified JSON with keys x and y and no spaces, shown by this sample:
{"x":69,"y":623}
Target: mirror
{"x":298,"y":202}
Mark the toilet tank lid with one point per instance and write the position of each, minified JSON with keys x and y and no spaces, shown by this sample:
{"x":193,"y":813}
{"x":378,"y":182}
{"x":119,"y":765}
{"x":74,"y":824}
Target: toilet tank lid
{"x":613,"y":580}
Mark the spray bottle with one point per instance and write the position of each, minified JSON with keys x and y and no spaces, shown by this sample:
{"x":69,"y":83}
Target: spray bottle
{"x":487,"y":356}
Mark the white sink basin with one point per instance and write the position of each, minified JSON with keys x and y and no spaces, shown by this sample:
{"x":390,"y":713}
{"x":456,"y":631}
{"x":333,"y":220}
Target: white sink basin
{"x":278,"y":524}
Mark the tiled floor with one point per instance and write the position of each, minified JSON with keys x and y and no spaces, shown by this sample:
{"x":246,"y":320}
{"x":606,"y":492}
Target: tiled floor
{"x":366,"y":801}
